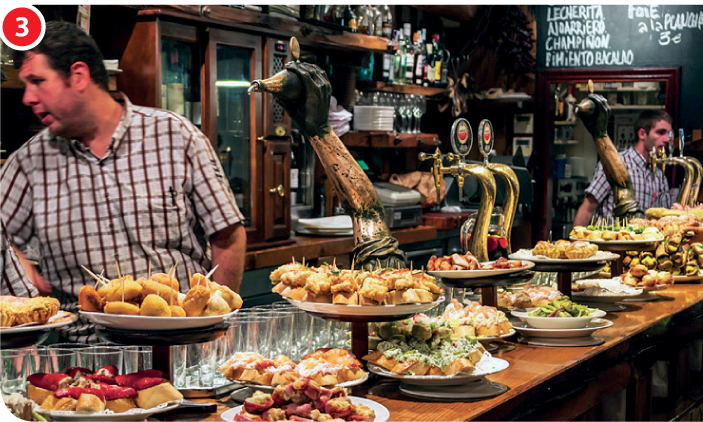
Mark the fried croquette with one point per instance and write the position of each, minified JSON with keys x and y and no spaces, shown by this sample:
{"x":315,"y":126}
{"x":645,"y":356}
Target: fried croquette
{"x":215,"y":306}
{"x":154,"y":305}
{"x":199,"y":280}
{"x":177,"y":311}
{"x":132,"y":291}
{"x":233,"y":299}
{"x":196,"y":300}
{"x":89,"y":300}
{"x":150,"y":287}
{"x":164,"y":279}
{"x":121,"y":308}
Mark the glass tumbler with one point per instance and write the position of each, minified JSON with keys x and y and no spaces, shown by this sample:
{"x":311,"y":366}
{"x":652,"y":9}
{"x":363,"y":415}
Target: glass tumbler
{"x":137,"y":358}
{"x":51,"y":360}
{"x":13,"y":371}
{"x":96,"y":357}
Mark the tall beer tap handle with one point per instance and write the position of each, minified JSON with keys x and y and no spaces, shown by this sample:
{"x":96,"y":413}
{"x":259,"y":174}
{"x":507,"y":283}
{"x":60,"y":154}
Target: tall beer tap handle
{"x":294,"y":49}
{"x":670,"y":144}
{"x":436,"y":169}
{"x":653,"y":161}
{"x":681,"y":145}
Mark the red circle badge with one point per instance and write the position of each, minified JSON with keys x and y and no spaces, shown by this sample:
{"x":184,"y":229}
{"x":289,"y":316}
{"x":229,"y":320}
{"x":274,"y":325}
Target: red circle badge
{"x":23,"y":28}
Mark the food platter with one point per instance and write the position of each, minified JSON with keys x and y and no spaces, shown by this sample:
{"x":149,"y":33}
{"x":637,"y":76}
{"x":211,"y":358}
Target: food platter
{"x":59,"y":320}
{"x":269,"y":388}
{"x":526,"y":255}
{"x":138,"y":322}
{"x":468,"y":274}
{"x":382,"y":413}
{"x":135,"y":414}
{"x":646,"y":242}
{"x":556,"y":323}
{"x":486,"y":366}
{"x":594,"y":325}
{"x":365,"y":311}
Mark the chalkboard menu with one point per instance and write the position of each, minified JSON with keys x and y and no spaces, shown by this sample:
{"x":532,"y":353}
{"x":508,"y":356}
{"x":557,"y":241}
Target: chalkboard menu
{"x":604,"y":36}
{"x":618,"y":35}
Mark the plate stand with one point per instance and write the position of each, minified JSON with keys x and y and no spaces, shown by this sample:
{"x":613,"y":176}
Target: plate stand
{"x":478,"y":389}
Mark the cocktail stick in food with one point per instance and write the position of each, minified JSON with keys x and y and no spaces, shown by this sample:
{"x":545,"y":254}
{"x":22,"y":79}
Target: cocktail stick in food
{"x":207,"y":276}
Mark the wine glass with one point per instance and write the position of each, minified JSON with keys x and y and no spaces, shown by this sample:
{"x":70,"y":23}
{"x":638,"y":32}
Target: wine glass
{"x":419,"y":110}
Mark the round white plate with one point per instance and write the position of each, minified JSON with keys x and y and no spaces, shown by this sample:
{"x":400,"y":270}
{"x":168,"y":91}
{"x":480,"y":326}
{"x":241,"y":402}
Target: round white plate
{"x":382,"y":413}
{"x":359,"y":310}
{"x":486,"y":366}
{"x":557,"y":323}
{"x":577,"y":297}
{"x":480,"y":273}
{"x":687,"y":278}
{"x":595,"y":325}
{"x":620,"y":242}
{"x":341,"y":222}
{"x":478,"y":389}
{"x":269,"y":388}
{"x":135,"y":414}
{"x":301,"y":230}
{"x":489,"y":338}
{"x":62,"y":318}
{"x":138,"y":322}
{"x":526,"y":255}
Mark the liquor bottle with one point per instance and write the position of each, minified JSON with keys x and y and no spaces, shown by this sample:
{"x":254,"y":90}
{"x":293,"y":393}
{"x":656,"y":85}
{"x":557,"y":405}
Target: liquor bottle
{"x":409,"y":54}
{"x":437,"y":60}
{"x":419,"y":59}
{"x":429,"y":66}
{"x":399,"y":60}
{"x":348,"y":19}
{"x":362,"y":21}
{"x":570,"y":105}
{"x":377,"y":21}
{"x":387,"y":23}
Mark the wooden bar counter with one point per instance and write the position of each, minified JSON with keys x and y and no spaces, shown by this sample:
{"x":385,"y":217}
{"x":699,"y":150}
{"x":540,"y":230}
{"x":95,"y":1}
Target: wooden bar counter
{"x":560,"y":383}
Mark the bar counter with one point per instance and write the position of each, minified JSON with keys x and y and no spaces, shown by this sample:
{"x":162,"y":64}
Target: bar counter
{"x":560,"y":383}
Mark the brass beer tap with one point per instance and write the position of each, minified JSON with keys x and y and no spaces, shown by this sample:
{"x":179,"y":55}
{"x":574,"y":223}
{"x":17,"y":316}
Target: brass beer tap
{"x":693,"y":172}
{"x":461,"y":136}
{"x":512,"y":186}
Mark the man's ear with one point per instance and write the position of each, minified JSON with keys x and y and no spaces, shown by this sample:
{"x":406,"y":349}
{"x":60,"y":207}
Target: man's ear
{"x":79,"y":76}
{"x":641,"y":134}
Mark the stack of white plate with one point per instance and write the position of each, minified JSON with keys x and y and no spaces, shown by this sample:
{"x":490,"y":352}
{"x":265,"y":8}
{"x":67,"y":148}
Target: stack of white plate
{"x":373,"y":118}
{"x":339,"y":225}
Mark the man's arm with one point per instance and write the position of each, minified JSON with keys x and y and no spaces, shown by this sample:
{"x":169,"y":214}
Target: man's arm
{"x":228,"y":249}
{"x":43,"y":286}
{"x":586,"y":210}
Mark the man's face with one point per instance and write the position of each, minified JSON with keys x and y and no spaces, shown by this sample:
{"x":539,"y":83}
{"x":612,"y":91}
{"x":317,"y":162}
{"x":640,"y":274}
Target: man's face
{"x":49,"y":94}
{"x":657,"y":137}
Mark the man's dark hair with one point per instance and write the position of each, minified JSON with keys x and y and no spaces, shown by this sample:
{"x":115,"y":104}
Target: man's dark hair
{"x":65,"y":44}
{"x":649,"y":118}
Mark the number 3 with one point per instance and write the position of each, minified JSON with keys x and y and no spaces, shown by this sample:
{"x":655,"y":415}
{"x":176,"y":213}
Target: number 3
{"x":22,"y":25}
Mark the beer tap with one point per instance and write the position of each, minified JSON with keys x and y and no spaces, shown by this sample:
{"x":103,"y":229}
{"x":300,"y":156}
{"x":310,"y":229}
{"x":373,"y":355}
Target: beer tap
{"x":692,"y":173}
{"x":697,"y":171}
{"x":512,"y":186}
{"x":461,"y":138}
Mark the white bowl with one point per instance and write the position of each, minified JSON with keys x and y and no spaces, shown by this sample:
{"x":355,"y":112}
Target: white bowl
{"x":557,"y":323}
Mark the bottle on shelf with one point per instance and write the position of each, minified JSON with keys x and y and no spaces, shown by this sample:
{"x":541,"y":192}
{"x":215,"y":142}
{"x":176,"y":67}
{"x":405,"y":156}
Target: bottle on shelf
{"x":362,"y":19}
{"x":437,"y":61}
{"x":419,"y":58}
{"x":558,"y":104}
{"x":429,"y":73}
{"x":377,"y":21}
{"x":398,"y":60}
{"x":409,"y":54}
{"x":570,"y":105}
{"x":387,"y":22}
{"x":348,"y":19}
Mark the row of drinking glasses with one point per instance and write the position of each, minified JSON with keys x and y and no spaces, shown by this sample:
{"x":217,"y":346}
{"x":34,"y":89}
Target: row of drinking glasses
{"x":270,"y":330}
{"x":409,"y":108}
{"x":17,"y":364}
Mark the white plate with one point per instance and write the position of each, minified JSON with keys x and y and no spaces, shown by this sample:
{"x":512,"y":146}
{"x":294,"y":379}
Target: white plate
{"x":135,"y":414}
{"x":138,"y":322}
{"x":556,"y":323}
{"x":360,"y":310}
{"x":526,"y":255}
{"x":382,"y":414}
{"x":342,"y":222}
{"x":63,"y":318}
{"x":479,"y":389}
{"x":576,"y":297}
{"x":620,"y":242}
{"x":594,"y":325}
{"x":687,"y":278}
{"x":269,"y":388}
{"x":480,"y":273}
{"x":301,"y":230}
{"x":488,"y":338}
{"x":486,"y":366}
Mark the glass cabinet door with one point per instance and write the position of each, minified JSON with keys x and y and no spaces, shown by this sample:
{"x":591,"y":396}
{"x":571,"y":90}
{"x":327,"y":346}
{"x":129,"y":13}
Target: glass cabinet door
{"x":180,"y":71}
{"x":232,"y":62}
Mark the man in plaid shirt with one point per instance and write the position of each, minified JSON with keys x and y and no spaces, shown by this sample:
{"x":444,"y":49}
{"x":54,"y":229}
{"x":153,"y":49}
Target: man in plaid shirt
{"x":107,"y":181}
{"x":653,"y":127}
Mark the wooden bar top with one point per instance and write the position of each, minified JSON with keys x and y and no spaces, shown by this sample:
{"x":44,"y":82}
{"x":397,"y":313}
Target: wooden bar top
{"x":312,"y":247}
{"x":540,"y":375}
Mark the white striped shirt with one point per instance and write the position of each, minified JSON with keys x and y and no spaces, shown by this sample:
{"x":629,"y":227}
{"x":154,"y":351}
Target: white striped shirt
{"x":646,"y":190}
{"x":155,"y":197}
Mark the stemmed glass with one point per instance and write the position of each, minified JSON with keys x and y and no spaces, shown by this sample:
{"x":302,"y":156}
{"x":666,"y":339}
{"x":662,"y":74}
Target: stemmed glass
{"x":419,"y":109}
{"x":404,"y":109}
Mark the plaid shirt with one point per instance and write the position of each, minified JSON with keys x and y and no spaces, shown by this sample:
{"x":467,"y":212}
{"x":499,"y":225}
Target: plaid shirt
{"x":13,"y":277}
{"x":155,"y":197}
{"x":647,"y":192}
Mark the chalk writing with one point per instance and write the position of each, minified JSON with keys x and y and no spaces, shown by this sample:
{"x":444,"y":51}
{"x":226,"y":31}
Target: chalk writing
{"x":577,"y":36}
{"x":669,"y":27}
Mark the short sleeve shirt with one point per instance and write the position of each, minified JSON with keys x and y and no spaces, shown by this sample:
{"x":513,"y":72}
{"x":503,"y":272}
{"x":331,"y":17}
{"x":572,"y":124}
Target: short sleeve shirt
{"x":151,"y":201}
{"x":647,"y":190}
{"x":14,"y":279}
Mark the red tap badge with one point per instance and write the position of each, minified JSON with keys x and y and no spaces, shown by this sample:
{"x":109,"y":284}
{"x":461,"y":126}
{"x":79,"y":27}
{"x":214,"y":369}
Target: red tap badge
{"x":485,"y":134}
{"x":23,"y":27}
{"x":461,"y":137}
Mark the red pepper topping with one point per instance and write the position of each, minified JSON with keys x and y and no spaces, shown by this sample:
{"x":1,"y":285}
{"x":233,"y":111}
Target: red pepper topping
{"x":46,"y":381}
{"x":73,"y":392}
{"x":95,"y":392}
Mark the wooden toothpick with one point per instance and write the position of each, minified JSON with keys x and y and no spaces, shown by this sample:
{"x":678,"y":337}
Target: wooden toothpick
{"x":98,"y":279}
{"x":173,"y":269}
{"x":117,"y":264}
{"x":148,"y":274}
{"x":207,"y":277}
{"x":190,"y":277}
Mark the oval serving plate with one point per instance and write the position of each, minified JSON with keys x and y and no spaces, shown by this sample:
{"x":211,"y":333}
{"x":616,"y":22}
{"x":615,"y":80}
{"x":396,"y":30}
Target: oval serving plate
{"x":556,"y":323}
{"x":361,"y":310}
{"x":138,"y":322}
{"x":480,"y":273}
{"x":596,"y":324}
{"x":382,"y":413}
